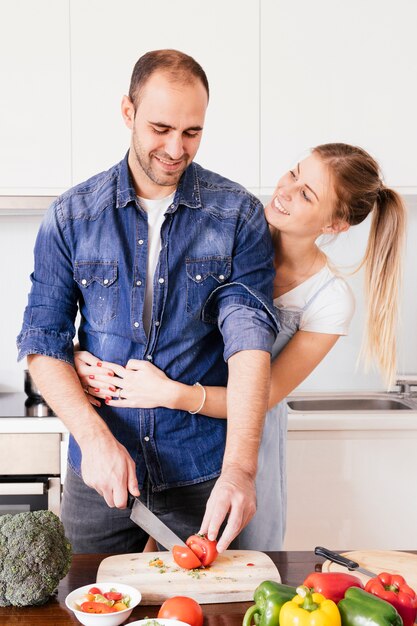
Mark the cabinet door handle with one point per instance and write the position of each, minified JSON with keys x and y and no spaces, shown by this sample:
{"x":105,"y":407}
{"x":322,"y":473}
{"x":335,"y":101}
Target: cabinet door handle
{"x":21,"y":489}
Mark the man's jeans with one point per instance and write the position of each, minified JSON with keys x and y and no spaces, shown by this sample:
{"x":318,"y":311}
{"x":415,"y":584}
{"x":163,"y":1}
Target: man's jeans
{"x":93,"y":527}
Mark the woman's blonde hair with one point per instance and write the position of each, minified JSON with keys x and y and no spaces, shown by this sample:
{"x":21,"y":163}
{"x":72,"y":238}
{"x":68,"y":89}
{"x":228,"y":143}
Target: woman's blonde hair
{"x":359,"y":190}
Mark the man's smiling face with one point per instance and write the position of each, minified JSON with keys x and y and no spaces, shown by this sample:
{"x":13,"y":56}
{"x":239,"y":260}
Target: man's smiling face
{"x":166,"y":131}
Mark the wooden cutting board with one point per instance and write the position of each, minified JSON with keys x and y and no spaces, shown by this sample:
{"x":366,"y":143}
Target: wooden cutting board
{"x":378,"y":561}
{"x":230,"y":578}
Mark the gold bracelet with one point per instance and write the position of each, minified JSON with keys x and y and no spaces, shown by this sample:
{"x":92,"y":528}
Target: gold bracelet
{"x":204,"y":399}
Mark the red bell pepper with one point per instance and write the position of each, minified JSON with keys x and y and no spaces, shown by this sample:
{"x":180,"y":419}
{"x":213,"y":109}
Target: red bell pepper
{"x":332,"y":585}
{"x":394,"y":589}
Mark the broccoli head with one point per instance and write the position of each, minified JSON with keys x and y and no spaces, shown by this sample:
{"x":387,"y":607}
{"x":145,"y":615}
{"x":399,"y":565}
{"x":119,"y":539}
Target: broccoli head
{"x":34,"y":556}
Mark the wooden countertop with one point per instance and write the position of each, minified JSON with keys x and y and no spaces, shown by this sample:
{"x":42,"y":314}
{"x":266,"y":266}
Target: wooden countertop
{"x":293,"y":567}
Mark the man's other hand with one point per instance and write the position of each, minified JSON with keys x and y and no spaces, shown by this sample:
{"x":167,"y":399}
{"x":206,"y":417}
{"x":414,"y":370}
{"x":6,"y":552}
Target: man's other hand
{"x":234,"y":496}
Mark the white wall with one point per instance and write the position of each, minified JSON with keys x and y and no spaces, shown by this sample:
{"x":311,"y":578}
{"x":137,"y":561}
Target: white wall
{"x":336,"y":372}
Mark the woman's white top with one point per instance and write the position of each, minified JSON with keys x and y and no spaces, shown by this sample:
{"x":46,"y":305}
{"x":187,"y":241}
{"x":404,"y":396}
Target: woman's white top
{"x":325,"y":300}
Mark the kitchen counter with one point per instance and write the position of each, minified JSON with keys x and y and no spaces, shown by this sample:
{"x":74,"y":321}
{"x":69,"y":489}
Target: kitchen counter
{"x":298,"y":420}
{"x":353,"y":419}
{"x":293,"y":567}
{"x":32,"y":425}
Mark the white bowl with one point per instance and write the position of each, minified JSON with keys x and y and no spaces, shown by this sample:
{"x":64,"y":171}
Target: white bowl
{"x":151,"y":622}
{"x":103,"y":619}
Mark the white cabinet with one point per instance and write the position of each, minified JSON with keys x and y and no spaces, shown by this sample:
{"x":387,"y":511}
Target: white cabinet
{"x":351,"y":483}
{"x":35,"y":147}
{"x":108,"y":38}
{"x":339,"y":71}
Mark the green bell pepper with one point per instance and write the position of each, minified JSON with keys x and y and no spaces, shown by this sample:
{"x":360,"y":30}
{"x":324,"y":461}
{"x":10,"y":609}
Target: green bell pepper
{"x":269,"y":597}
{"x":360,"y":608}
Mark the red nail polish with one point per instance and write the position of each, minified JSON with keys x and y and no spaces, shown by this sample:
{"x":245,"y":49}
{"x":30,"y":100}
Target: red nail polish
{"x":108,"y":399}
{"x":96,"y":389}
{"x":99,"y":363}
{"x":112,"y":388}
{"x":110,"y":373}
{"x":91,"y":376}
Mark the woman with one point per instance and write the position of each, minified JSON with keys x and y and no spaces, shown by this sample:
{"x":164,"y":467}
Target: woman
{"x":335,"y":187}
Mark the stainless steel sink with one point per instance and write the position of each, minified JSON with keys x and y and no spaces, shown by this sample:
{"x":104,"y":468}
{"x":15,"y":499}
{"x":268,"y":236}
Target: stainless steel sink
{"x":370,"y":403}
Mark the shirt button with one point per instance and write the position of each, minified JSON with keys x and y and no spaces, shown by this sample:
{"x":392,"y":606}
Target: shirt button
{"x":221,"y":277}
{"x":140,"y":242}
{"x":146,"y":438}
{"x":83,"y":282}
{"x":138,"y":283}
{"x":156,"y":323}
{"x":198,"y":277}
{"x":106,"y":281}
{"x":172,"y":206}
{"x":161,"y":280}
{"x":136,"y":324}
{"x":149,"y":357}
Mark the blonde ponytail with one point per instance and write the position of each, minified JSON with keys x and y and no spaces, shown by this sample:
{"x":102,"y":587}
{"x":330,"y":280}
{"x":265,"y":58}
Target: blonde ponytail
{"x":383,"y":277}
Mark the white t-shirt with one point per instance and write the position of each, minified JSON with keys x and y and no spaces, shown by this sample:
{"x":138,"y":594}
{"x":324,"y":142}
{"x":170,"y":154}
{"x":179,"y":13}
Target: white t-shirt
{"x":156,"y":215}
{"x":325,"y":309}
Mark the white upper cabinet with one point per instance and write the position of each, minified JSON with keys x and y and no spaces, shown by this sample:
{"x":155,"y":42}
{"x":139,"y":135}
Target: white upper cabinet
{"x":339,"y":71}
{"x":107,"y":38}
{"x":35,"y":127}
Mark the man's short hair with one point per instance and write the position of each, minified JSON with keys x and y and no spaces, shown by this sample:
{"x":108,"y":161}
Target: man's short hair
{"x":178,"y":65}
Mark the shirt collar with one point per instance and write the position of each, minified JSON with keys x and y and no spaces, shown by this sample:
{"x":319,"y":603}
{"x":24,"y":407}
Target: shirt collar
{"x":125,"y":189}
{"x":188,"y":191}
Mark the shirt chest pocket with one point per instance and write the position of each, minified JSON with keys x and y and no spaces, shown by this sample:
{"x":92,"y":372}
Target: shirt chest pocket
{"x":204,"y":275}
{"x":99,"y":290}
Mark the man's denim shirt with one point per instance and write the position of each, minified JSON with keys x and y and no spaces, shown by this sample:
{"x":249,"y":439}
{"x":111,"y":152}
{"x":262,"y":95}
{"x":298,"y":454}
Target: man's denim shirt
{"x":212,"y":298}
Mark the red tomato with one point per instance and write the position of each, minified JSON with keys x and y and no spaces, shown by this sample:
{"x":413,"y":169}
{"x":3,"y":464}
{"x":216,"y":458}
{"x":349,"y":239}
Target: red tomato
{"x":95,"y":591}
{"x":185,"y":557}
{"x":113,"y":595}
{"x":204,"y":548}
{"x":96,"y":607}
{"x":183,"y":609}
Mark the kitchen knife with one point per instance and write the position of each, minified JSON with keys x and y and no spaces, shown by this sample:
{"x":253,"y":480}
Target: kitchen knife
{"x":147,"y":520}
{"x":335,"y":557}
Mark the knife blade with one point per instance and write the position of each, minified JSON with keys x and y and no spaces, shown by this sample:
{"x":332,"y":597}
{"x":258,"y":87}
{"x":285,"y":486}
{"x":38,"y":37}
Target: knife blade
{"x":335,"y":557}
{"x":147,"y":520}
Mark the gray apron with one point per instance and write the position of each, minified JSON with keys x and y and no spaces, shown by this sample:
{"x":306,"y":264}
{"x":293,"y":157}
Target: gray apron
{"x":266,"y":529}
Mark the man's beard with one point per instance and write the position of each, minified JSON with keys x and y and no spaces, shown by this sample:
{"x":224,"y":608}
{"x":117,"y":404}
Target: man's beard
{"x":166,"y":179}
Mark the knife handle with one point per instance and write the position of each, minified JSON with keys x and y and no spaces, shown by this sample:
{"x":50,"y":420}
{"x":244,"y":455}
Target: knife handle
{"x":335,"y":557}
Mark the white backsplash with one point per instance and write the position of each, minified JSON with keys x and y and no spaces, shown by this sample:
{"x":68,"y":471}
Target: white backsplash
{"x":337,"y":372}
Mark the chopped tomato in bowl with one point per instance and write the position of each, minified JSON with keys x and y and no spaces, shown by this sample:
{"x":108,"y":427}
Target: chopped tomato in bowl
{"x":103,"y":604}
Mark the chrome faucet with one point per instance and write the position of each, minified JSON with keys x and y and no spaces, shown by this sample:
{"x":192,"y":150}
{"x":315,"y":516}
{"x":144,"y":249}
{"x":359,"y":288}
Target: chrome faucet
{"x":405,"y":382}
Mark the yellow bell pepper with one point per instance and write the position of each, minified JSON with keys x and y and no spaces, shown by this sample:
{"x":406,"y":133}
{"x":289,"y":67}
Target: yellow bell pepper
{"x":309,"y":609}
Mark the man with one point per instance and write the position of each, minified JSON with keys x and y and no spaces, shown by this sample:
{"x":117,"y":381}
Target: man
{"x":170,"y":263}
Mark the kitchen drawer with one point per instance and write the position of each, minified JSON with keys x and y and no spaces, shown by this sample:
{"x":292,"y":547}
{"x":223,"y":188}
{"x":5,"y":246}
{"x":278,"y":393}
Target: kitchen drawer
{"x":30,"y":453}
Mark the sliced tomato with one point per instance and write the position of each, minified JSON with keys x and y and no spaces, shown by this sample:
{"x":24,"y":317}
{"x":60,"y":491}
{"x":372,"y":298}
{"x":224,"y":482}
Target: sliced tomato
{"x":204,"y":548}
{"x":185,"y":557}
{"x":113,"y":595}
{"x":94,"y":591}
{"x":183,"y":609}
{"x":96,"y":607}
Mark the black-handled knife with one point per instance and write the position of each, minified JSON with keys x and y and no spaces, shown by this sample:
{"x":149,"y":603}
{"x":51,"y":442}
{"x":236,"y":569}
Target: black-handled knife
{"x":335,"y":557}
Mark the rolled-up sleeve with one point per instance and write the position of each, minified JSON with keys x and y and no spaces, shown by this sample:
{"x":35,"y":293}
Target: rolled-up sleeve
{"x":48,"y":321}
{"x":243,"y":307}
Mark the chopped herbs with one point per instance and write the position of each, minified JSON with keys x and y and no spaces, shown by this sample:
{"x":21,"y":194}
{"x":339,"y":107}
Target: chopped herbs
{"x":196,"y":573}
